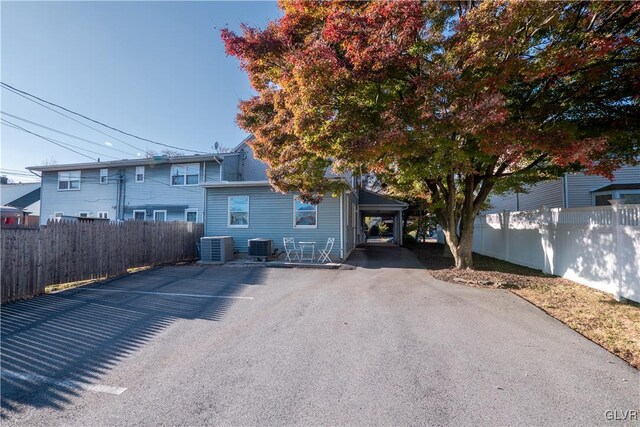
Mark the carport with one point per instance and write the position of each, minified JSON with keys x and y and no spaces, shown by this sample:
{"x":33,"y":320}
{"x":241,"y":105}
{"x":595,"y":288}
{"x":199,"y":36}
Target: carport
{"x":371,"y":204}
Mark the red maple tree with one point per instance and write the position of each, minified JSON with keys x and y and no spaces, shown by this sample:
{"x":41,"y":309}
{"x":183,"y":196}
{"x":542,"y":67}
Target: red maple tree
{"x":443,"y":100}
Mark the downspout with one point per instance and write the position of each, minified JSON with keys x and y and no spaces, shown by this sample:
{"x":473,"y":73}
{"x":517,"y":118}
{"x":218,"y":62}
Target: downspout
{"x":341,"y":225}
{"x":565,"y":190}
{"x":204,"y":208}
{"x":124,"y":191}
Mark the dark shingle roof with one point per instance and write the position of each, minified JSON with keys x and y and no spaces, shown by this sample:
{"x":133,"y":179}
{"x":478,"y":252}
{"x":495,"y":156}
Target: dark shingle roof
{"x":369,"y":198}
{"x":613,"y":187}
{"x":26,"y":200}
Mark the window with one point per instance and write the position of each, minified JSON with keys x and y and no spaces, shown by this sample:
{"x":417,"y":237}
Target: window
{"x":185,"y":174}
{"x":305,"y":215}
{"x":139,"y":173}
{"x":631,"y":198}
{"x":139,"y":215}
{"x":103,"y":214}
{"x":104,"y":176}
{"x":159,"y":215}
{"x":191,"y":215}
{"x":238,"y":211}
{"x":58,"y":215}
{"x":83,"y":214}
{"x":69,"y":180}
{"x":603,"y":199}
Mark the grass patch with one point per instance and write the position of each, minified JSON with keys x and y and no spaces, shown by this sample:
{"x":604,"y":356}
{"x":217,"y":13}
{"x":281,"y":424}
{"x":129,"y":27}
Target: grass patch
{"x":596,"y":315}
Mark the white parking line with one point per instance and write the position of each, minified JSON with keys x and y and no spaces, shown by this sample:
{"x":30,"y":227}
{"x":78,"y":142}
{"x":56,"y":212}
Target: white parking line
{"x":99,"y":388}
{"x":169,"y":294}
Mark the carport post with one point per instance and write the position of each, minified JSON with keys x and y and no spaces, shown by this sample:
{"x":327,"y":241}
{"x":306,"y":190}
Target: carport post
{"x":400,"y":230}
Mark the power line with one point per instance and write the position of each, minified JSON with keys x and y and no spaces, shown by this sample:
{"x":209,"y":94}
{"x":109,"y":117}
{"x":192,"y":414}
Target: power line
{"x":13,"y":125}
{"x":5,"y":85}
{"x":75,"y":120}
{"x":66,"y":134}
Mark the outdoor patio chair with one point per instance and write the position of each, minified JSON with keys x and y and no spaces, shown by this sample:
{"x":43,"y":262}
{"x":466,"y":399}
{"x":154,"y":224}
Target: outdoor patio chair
{"x":324,"y":253}
{"x":290,"y":249}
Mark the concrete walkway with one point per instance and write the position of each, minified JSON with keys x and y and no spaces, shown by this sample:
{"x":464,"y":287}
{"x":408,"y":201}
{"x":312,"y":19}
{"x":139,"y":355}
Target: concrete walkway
{"x":383,"y":344}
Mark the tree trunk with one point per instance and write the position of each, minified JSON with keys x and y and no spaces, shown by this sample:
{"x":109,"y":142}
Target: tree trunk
{"x":463,"y":255}
{"x":460,"y":245}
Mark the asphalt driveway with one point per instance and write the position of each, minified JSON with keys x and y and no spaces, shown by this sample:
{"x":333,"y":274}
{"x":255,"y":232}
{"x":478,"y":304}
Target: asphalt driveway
{"x":381,"y":344}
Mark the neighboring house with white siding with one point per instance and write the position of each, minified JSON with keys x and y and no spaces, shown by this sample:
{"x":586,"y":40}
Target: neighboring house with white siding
{"x":575,"y":190}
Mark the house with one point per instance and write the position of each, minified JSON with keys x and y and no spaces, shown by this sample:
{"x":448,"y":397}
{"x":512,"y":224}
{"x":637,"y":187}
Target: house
{"x":160,"y":188}
{"x":250,"y":208}
{"x":575,"y":190}
{"x":229,"y":192}
{"x":23,"y":196}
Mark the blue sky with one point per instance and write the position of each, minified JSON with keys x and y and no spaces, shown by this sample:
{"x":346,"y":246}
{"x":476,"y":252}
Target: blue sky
{"x":155,"y":69}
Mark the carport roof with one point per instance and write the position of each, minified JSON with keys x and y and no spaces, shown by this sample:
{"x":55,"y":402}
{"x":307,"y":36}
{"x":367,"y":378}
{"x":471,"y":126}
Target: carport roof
{"x":369,"y":198}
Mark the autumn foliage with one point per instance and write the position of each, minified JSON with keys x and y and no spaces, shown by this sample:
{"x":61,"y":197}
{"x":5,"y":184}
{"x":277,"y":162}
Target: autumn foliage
{"x":442,"y":100}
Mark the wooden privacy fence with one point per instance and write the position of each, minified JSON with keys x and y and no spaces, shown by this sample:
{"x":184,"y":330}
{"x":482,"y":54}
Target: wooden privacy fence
{"x":63,"y":252}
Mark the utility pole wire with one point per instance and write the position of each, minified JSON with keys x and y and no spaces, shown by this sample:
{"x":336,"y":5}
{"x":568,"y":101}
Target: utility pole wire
{"x":66,"y":134}
{"x":13,"y":125}
{"x":5,"y":85}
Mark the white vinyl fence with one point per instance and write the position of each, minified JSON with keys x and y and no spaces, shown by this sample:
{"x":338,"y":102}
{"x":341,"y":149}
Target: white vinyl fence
{"x":596,"y":246}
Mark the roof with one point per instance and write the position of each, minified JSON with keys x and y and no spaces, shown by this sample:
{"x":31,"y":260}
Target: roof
{"x":156,"y":160}
{"x":218,"y":184}
{"x":243,"y":143}
{"x":366,"y":197}
{"x":613,"y":187}
{"x":11,"y":192}
{"x":26,"y":200}
{"x":10,"y":211}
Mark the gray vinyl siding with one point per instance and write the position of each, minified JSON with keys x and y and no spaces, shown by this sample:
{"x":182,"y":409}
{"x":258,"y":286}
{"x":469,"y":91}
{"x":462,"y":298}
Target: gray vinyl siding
{"x":231,"y":170}
{"x":551,"y":193}
{"x":580,"y":185}
{"x":350,"y":223}
{"x":548,"y":193}
{"x":271,"y":217}
{"x":157,"y":193}
{"x":91,"y":197}
{"x":253,"y":169}
{"x":154,"y":193}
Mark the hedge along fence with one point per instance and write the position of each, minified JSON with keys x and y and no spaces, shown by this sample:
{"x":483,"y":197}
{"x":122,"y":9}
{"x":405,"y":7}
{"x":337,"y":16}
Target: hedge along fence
{"x":63,"y":252}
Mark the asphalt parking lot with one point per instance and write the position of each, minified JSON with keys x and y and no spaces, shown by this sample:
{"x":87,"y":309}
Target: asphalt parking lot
{"x":381,"y":344}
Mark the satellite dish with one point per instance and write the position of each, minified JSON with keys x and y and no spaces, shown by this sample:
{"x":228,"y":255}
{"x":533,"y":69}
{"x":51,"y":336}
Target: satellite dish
{"x":216,"y":145}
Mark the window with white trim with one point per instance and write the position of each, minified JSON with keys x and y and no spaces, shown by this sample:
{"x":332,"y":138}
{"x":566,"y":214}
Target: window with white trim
{"x":83,"y":214}
{"x":104,"y":176}
{"x":238,"y":208}
{"x":103,"y":214}
{"x":58,"y":214}
{"x":139,"y":214}
{"x":191,"y":215}
{"x":69,"y":180}
{"x":305,"y":215}
{"x":160,"y":215}
{"x":188,"y":174}
{"x":139,"y":173}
